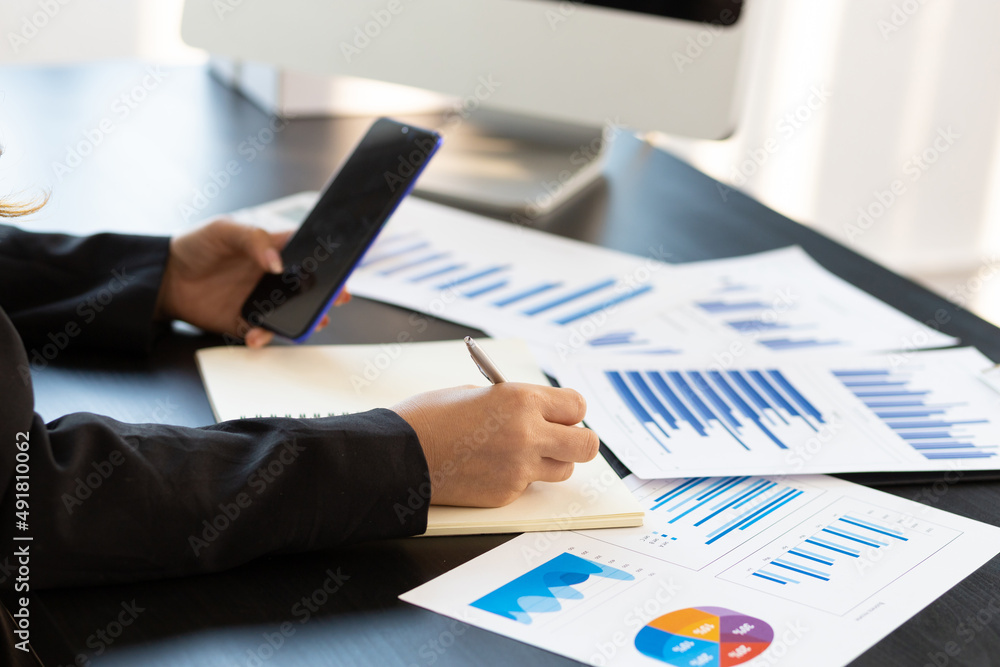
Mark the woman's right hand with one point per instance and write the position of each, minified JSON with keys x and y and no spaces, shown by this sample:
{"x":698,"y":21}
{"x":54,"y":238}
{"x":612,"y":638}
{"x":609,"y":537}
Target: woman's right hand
{"x":485,"y":445}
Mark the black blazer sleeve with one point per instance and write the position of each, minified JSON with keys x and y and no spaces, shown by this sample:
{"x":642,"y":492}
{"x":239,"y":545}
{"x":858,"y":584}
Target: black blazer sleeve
{"x":78,"y":293}
{"x":111,"y":502}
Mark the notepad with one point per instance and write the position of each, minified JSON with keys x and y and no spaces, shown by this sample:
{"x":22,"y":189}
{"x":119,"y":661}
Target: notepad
{"x":327,"y":380}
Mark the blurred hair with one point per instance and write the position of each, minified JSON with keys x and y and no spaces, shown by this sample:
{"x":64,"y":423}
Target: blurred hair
{"x":14,"y":209}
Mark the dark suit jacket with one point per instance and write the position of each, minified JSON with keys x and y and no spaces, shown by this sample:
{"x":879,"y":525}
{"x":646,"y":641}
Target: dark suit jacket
{"x":112,"y":502}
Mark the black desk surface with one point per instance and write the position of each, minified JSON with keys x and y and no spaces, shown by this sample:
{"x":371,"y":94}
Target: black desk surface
{"x":188,"y":126}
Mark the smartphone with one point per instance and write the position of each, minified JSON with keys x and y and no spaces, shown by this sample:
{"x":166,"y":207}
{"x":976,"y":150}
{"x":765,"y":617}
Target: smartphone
{"x":351,"y":211}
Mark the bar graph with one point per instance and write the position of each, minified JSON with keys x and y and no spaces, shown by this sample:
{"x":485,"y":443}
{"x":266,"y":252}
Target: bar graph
{"x":749,"y":409}
{"x":780,"y":301}
{"x":919,"y":410}
{"x":841,"y":556}
{"x":550,"y":284}
{"x":691,"y":522}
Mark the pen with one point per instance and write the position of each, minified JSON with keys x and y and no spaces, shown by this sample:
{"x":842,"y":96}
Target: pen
{"x":483,"y":362}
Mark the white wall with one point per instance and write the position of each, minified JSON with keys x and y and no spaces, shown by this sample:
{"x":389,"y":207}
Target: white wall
{"x":61,"y":31}
{"x":893,"y":77}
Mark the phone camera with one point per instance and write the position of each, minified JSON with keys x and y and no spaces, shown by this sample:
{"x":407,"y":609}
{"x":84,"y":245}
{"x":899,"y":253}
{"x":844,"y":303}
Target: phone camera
{"x":406,"y":130}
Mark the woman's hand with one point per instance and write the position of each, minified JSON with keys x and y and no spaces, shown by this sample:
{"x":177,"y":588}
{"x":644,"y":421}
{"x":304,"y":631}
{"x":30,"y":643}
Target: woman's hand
{"x":211,"y":272}
{"x":485,"y":445}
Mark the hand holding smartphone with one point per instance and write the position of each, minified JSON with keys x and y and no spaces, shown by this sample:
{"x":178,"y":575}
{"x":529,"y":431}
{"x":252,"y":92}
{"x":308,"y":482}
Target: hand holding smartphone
{"x":351,"y":211}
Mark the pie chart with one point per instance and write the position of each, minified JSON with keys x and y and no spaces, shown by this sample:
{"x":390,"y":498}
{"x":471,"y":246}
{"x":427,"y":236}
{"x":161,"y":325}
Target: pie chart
{"x":704,"y":637}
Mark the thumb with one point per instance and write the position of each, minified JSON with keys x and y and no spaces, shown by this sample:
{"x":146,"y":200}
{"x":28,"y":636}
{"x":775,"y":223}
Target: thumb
{"x":263,"y":248}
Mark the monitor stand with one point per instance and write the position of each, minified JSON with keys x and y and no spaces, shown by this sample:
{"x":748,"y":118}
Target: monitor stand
{"x":512,"y":166}
{"x":500,"y":163}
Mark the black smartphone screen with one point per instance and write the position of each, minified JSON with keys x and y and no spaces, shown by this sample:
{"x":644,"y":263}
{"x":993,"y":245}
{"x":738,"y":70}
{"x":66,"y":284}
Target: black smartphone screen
{"x":350,"y":212}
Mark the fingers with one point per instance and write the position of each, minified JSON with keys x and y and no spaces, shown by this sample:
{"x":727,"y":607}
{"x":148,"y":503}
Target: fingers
{"x":343,"y":298}
{"x":323,"y":323}
{"x":568,"y":444}
{"x":555,"y":471}
{"x":280,"y":239}
{"x":561,"y":406}
{"x":262,"y":247}
{"x":257,"y":338}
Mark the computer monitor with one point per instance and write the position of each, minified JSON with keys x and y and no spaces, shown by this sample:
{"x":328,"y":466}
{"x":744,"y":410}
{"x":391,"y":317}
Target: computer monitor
{"x":667,"y":65}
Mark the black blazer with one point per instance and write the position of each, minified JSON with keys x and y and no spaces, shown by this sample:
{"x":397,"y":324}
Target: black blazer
{"x":113,"y":502}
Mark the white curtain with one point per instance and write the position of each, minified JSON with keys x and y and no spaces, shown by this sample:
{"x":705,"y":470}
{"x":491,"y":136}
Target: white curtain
{"x":875,"y":121}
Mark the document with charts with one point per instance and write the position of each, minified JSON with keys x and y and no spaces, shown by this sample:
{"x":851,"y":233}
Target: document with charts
{"x":567,"y":297}
{"x":726,"y":571}
{"x":688,"y":414}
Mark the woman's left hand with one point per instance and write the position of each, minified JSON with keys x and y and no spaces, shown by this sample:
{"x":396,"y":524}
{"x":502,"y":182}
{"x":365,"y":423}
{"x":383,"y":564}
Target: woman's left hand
{"x":211,"y":272}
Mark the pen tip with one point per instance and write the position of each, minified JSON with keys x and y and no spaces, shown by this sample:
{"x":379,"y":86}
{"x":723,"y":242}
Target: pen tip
{"x":469,"y":341}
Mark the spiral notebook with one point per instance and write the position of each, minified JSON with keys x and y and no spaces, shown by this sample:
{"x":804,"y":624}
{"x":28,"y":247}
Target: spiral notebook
{"x":326,"y":380}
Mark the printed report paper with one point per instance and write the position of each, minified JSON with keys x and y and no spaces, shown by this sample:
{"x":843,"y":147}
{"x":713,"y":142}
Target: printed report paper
{"x":726,"y":571}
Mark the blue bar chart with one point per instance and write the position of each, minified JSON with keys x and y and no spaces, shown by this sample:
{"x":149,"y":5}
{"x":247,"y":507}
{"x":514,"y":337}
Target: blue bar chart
{"x":750,"y":408}
{"x":691,"y":522}
{"x":928,"y":419}
{"x":823,"y":561}
{"x":457,"y":281}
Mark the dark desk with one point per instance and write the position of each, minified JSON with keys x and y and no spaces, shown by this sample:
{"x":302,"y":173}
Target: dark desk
{"x":153,"y":162}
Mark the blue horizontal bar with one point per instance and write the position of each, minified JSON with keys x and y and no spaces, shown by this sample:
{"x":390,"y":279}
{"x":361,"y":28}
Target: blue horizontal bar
{"x":484,"y":290}
{"x":764,"y":576}
{"x":936,"y":424}
{"x":604,"y":304}
{"x":417,"y":262}
{"x":943,"y":445}
{"x":886,"y":394}
{"x":723,"y":307}
{"x":847,"y":551}
{"x":959,"y":455}
{"x":520,"y":296}
{"x":788,"y":344}
{"x":910,"y":415}
{"x":802,"y":553}
{"x":572,"y":296}
{"x":392,"y":253}
{"x":844,"y":374}
{"x":437,"y":272}
{"x":800,"y":569}
{"x":473,"y":276}
{"x":870,"y":526}
{"x":847,"y":536}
